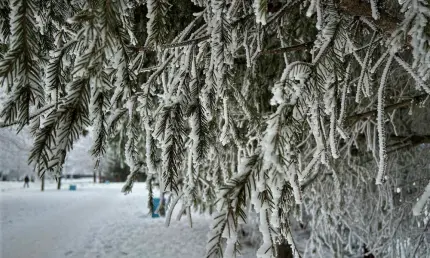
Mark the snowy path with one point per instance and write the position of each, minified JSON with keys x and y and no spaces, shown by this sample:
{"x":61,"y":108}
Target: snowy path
{"x":95,"y":221}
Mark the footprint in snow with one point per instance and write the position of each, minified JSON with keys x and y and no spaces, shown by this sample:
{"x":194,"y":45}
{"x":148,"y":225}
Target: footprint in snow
{"x":68,"y":253}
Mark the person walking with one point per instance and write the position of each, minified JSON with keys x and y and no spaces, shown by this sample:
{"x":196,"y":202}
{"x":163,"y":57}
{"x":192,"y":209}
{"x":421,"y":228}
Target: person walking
{"x":26,"y":180}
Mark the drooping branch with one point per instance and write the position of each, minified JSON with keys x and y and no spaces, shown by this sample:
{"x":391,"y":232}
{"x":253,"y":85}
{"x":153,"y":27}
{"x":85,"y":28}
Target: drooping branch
{"x":186,"y":42}
{"x":402,"y":143}
{"x":32,"y":116}
{"x":174,"y":45}
{"x":410,"y":141}
{"x":386,"y":23}
{"x":351,"y":120}
{"x":273,"y":51}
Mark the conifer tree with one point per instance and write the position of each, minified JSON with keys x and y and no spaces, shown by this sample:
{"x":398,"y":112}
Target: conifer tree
{"x":284,"y":107}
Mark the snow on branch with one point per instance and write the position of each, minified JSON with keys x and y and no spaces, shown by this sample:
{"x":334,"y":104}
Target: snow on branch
{"x":233,"y":106}
{"x":381,"y":123}
{"x":419,"y":205}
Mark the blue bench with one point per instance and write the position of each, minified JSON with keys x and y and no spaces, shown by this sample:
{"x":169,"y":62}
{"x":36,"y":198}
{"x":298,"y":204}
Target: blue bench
{"x":155,"y":204}
{"x":72,"y":187}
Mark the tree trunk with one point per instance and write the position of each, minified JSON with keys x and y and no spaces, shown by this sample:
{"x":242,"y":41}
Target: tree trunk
{"x":162,"y":208}
{"x":42,"y":188}
{"x":100,"y":176}
{"x":94,"y":176}
{"x":366,"y":252}
{"x":284,"y":251}
{"x":59,"y":183}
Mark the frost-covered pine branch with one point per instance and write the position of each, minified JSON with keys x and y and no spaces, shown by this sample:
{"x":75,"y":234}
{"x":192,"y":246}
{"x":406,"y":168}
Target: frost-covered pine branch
{"x":277,"y":106}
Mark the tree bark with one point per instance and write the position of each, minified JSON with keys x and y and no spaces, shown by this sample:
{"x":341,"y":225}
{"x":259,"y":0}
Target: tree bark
{"x":367,"y":254}
{"x":42,"y":187}
{"x":162,"y":207}
{"x":59,"y":183}
{"x":284,"y":250}
{"x":94,"y":176}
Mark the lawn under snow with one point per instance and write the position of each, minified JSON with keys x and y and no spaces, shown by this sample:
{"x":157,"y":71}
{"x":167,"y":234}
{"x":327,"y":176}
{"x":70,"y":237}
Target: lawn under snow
{"x":97,"y":220}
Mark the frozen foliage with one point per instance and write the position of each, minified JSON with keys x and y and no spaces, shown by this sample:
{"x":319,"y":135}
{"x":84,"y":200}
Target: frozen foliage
{"x":419,"y":206}
{"x":381,"y":121}
{"x":297,"y":110}
{"x":415,"y":24}
{"x":344,"y":231}
{"x":260,"y":7}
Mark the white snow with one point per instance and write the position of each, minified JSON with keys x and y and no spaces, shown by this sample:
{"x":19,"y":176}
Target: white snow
{"x":97,"y":220}
{"x":260,"y":10}
{"x":375,"y":12}
{"x":419,"y":206}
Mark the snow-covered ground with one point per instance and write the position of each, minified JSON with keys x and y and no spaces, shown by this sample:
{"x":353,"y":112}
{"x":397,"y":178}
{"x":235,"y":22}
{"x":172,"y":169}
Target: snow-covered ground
{"x":97,"y":220}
